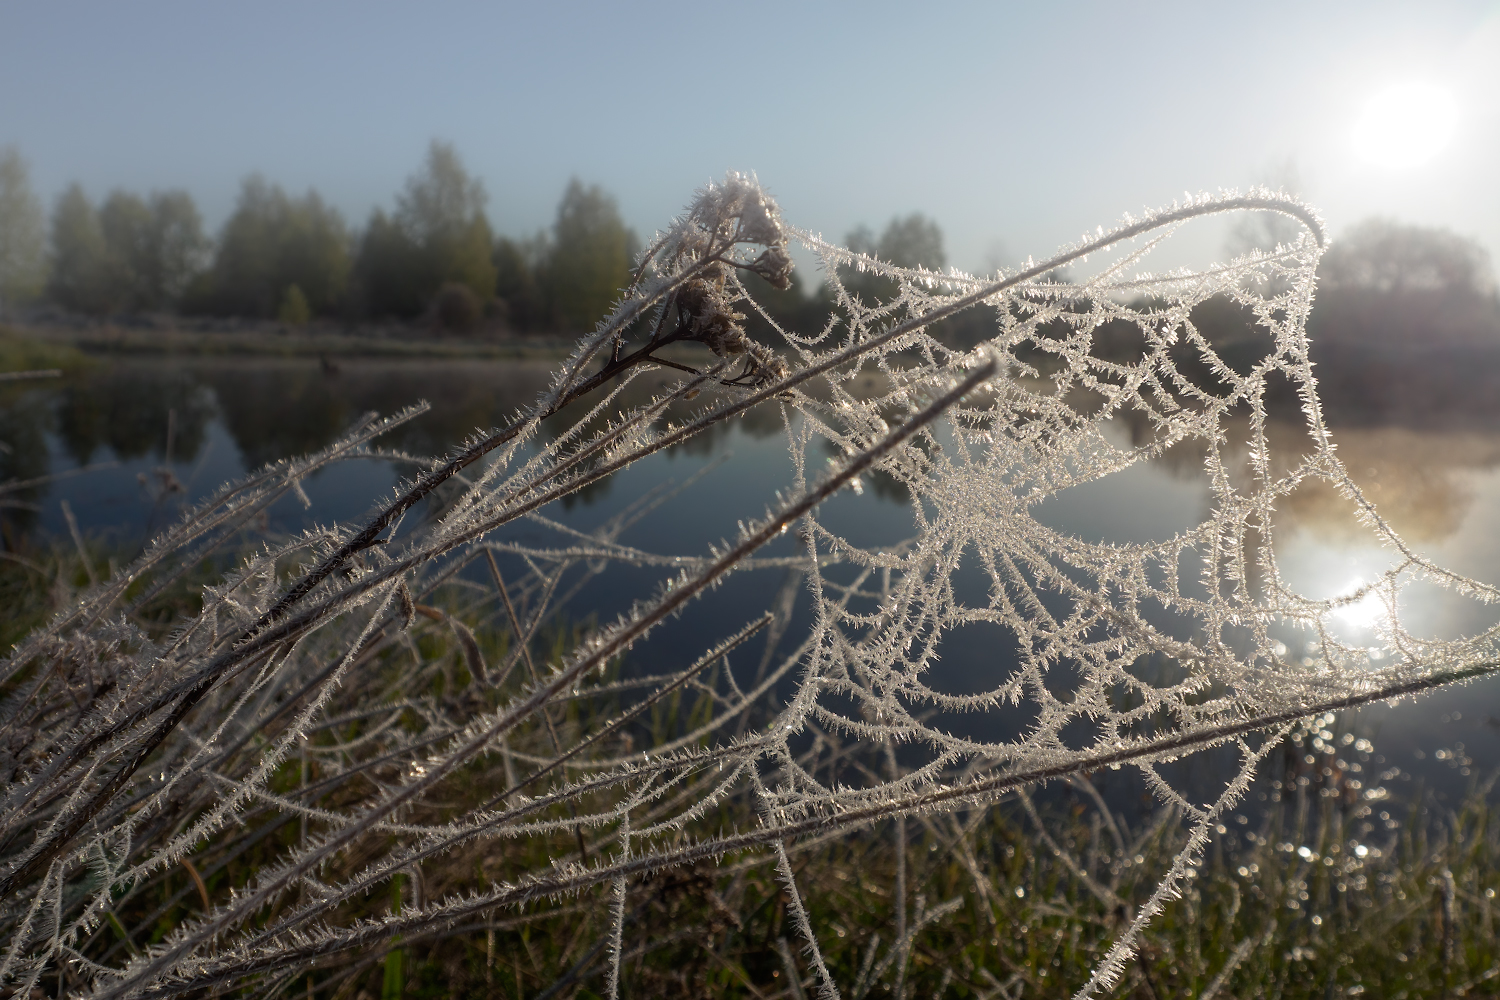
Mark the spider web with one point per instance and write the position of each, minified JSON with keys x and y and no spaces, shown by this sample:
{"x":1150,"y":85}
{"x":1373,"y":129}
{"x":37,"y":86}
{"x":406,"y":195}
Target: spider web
{"x":1114,"y":653}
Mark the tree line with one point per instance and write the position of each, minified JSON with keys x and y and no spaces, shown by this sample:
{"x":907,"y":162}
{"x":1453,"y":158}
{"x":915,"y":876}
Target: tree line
{"x":294,"y":258}
{"x":433,"y":256}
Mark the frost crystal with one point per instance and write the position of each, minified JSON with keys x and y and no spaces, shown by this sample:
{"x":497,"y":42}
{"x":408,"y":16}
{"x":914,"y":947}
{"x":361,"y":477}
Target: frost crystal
{"x":318,"y":698}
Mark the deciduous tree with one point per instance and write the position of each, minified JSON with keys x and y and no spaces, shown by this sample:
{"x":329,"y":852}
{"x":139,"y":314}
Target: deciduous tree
{"x":590,"y":258}
{"x":516,"y":281}
{"x":80,"y":276}
{"x":1390,"y":285}
{"x":913,"y":241}
{"x":23,"y":246}
{"x":272,"y":242}
{"x":437,"y":235}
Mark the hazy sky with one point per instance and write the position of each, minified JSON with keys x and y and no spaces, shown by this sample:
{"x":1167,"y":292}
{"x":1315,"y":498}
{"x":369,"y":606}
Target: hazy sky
{"x":1016,"y":127}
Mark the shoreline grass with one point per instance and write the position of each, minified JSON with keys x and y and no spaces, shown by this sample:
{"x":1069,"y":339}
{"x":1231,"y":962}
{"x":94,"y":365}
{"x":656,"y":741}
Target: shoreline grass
{"x":1325,"y":887}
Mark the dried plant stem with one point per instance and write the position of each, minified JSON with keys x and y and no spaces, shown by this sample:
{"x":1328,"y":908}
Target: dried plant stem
{"x":312,"y":687}
{"x":978,"y":792}
{"x":597,"y":653}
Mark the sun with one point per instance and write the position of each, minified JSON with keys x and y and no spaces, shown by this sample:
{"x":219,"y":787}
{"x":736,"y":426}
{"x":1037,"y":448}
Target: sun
{"x":1363,"y":614}
{"x":1405,"y":125}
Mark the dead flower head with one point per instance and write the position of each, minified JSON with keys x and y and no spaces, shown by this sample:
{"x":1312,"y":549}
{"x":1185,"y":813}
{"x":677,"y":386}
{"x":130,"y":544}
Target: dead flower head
{"x":707,"y":241}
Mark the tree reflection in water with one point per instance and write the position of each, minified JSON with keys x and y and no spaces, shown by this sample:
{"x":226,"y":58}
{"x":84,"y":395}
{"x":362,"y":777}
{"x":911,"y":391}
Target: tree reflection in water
{"x":1439,"y":486}
{"x":273,"y":408}
{"x":127,"y":409}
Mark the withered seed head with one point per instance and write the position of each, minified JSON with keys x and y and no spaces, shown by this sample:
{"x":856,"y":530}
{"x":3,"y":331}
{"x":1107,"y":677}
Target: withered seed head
{"x":726,"y":338}
{"x":758,"y":220}
{"x":707,"y":309}
{"x":774,"y":265}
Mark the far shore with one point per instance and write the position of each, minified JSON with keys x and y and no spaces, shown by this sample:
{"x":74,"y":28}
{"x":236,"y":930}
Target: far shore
{"x":1415,"y":383}
{"x":280,"y":340}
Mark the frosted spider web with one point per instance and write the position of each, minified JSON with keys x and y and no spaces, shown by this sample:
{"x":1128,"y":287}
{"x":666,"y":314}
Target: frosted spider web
{"x":179,"y":739}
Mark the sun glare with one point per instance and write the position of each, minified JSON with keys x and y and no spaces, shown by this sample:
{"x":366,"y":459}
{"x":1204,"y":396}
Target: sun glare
{"x":1405,"y":125}
{"x":1364,"y":613}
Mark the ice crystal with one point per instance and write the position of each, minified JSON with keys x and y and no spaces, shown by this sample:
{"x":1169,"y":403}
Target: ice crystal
{"x":174,"y":741}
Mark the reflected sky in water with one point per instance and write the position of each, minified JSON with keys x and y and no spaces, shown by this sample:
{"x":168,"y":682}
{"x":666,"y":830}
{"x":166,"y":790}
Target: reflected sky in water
{"x":1440,"y":489}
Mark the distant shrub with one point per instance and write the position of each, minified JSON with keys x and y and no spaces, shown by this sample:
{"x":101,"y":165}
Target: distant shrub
{"x":294,"y":310}
{"x":458,"y":309}
{"x":1390,"y":285}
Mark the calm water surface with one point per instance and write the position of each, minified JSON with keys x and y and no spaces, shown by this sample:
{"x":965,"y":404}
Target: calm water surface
{"x":146,"y":438}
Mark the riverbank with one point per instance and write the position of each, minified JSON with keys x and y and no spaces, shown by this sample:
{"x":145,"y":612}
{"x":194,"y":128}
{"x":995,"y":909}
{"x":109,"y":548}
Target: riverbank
{"x":246,"y":338}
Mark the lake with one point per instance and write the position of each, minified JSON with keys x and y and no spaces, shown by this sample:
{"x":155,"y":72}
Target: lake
{"x":139,"y":439}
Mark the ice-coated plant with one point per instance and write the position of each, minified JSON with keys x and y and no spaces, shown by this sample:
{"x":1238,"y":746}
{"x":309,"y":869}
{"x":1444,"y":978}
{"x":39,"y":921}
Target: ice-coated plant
{"x":405,"y":771}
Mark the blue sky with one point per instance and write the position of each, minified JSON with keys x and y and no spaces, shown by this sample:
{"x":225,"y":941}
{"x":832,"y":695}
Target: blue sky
{"x":1016,"y":127}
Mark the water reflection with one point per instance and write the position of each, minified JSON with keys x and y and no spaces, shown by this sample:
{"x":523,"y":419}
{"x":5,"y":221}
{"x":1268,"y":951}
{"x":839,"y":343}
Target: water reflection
{"x":276,"y":411}
{"x":166,"y":414}
{"x":25,"y":419}
{"x":130,"y":410}
{"x":1432,"y":485}
{"x":1429,"y":483}
{"x":279,"y":408}
{"x":1424,"y":481}
{"x":1438,"y":488}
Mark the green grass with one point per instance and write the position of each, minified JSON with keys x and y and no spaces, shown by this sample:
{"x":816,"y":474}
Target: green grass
{"x":1327,"y":888}
{"x":1323,"y":885}
{"x":1389,"y":924}
{"x":20,"y":352}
